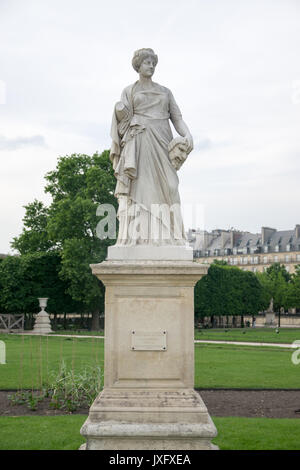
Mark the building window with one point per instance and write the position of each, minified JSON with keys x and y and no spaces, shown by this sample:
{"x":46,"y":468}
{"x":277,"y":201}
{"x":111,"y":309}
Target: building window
{"x":275,"y":259}
{"x":255,"y":259}
{"x":298,"y":257}
{"x":235,"y":261}
{"x":265,"y":259}
{"x":287,"y":258}
{"x":245,"y":260}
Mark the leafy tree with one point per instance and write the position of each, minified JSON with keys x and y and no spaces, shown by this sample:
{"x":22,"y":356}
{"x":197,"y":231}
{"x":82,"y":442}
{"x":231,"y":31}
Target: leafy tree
{"x":34,"y":236}
{"x":220,"y":262}
{"x":25,"y":278}
{"x":275,"y":269}
{"x":227,"y":290}
{"x":254,"y":297}
{"x":77,"y":186}
{"x":293,"y":292}
{"x":275,"y":281}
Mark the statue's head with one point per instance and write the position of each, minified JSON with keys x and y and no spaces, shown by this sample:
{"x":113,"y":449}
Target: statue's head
{"x":144,"y":62}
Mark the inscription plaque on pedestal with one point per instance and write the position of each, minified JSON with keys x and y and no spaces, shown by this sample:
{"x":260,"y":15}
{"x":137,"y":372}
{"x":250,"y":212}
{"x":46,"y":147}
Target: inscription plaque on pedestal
{"x":149,"y":340}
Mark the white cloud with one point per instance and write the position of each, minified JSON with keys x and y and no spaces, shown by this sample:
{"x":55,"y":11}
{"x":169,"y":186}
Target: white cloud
{"x":18,"y":142}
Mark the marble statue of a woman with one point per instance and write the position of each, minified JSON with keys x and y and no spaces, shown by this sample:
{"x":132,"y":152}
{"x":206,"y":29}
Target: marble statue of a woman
{"x":142,"y":145}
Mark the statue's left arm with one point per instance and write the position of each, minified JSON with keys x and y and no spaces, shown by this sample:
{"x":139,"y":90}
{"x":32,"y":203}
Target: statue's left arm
{"x":178,"y":122}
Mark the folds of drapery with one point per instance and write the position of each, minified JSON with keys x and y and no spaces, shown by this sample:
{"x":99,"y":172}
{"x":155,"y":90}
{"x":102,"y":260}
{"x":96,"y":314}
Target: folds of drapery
{"x":143,"y":152}
{"x":123,"y":154}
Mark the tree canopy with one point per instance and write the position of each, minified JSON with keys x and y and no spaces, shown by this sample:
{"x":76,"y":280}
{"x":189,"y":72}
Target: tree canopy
{"x":275,"y":282}
{"x":293,"y":290}
{"x":227,"y":290}
{"x":69,"y":225}
{"x":25,"y":278}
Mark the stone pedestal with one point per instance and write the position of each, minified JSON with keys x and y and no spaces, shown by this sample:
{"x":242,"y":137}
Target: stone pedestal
{"x":270,"y":319}
{"x":148,"y":401}
{"x":150,"y":253}
{"x":42,"y":324}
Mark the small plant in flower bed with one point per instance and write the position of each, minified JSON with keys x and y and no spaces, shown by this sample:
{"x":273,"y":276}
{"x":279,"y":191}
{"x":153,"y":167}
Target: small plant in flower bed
{"x":26,"y":398}
{"x":69,"y":390}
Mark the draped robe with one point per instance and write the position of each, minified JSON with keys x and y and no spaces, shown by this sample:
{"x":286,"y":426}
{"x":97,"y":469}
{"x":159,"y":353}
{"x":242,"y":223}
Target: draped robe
{"x":144,"y":173}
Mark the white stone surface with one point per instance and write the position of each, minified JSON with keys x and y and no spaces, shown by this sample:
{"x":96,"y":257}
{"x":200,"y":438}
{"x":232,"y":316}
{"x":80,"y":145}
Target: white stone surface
{"x":141,"y":135}
{"x":270,"y":319}
{"x":148,"y":252}
{"x":141,"y":436}
{"x":148,"y":401}
{"x":42,"y":324}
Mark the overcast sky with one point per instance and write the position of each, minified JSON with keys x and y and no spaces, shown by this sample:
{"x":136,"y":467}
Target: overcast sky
{"x":232,"y":65}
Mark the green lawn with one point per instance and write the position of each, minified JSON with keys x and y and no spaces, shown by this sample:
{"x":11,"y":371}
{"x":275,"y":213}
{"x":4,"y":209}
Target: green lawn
{"x":233,"y":366}
{"x":259,"y":335}
{"x":62,"y":433}
{"x":79,"y":332}
{"x":41,"y":432}
{"x":257,"y":434}
{"x":31,"y":358}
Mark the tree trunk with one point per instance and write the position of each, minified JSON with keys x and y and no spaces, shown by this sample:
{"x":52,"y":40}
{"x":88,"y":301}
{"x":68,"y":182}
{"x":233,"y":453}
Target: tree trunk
{"x":242,"y":321}
{"x":95,"y":321}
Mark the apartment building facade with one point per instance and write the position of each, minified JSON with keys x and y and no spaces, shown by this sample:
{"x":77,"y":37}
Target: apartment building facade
{"x":249,"y":251}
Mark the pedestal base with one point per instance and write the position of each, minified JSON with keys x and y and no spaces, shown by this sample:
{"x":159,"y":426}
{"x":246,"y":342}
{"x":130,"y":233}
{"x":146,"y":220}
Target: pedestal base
{"x":270,"y":320}
{"x":148,"y":401}
{"x":42,"y":324}
{"x":137,"y":436}
{"x":149,"y":420}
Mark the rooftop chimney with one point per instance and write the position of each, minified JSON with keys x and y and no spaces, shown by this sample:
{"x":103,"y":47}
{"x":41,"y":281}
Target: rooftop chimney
{"x":266,"y":233}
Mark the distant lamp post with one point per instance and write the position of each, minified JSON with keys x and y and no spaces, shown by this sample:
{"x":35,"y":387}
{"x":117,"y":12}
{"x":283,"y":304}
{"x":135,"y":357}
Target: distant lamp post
{"x":42,"y":322}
